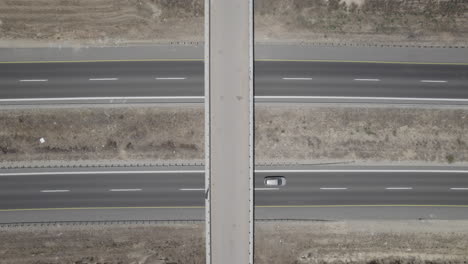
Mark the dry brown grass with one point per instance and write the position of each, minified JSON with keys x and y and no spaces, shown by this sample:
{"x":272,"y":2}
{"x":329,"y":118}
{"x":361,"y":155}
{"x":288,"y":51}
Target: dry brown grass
{"x":284,"y":134}
{"x":308,"y":133}
{"x":374,"y":16}
{"x":162,"y":244}
{"x":101,"y":21}
{"x":358,"y":243}
{"x":438,"y":22}
{"x":102,"y":133}
{"x":354,"y":242}
{"x":430,"y":22}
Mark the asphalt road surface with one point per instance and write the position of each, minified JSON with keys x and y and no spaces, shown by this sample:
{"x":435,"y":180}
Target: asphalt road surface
{"x":273,"y":78}
{"x":186,"y":190}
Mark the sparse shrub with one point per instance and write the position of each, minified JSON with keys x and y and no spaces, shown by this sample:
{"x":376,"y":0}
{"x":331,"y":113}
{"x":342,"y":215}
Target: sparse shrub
{"x":450,"y":158}
{"x":333,"y":5}
{"x":368,"y":131}
{"x":353,"y":8}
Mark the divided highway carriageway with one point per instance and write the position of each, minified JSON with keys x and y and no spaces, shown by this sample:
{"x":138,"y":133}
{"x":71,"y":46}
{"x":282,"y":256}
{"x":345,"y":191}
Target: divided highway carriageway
{"x":275,"y":80}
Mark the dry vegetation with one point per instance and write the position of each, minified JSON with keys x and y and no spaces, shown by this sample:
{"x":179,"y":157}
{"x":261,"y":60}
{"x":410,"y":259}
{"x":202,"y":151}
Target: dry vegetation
{"x":108,"y":22}
{"x":164,"y":244}
{"x":359,"y":134}
{"x":284,"y":134}
{"x":102,"y":133}
{"x":275,"y":243}
{"x":101,"y":21}
{"x":364,"y":242}
{"x":432,"y":22}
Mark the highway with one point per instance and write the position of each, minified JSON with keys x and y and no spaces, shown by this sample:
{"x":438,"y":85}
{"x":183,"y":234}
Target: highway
{"x":349,"y":194}
{"x":273,"y":78}
{"x":185,"y":189}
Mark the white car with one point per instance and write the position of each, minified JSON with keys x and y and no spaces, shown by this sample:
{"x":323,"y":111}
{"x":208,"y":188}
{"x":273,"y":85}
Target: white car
{"x":275,"y":181}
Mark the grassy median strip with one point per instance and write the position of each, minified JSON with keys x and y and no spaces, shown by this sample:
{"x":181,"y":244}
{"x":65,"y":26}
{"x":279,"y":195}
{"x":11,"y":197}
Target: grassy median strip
{"x":285,"y":133}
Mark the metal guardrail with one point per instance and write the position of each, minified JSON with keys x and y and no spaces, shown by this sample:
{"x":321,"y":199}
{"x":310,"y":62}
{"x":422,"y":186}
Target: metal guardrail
{"x":139,"y":222}
{"x":99,"y":222}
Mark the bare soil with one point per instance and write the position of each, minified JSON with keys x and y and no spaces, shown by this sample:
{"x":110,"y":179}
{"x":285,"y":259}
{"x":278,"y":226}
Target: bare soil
{"x":301,"y":134}
{"x":115,"y":22}
{"x":387,"y":242}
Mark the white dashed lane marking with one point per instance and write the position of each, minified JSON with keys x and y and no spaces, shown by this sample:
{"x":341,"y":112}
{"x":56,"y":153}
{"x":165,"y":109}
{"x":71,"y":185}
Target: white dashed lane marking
{"x":368,"y":80}
{"x":297,"y":78}
{"x":170,"y":78}
{"x":124,"y":190}
{"x":104,"y":79}
{"x":433,"y":81}
{"x":35,"y":80}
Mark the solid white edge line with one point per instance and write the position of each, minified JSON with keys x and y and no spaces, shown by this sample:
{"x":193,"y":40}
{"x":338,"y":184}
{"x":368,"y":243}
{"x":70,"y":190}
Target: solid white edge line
{"x":459,"y":189}
{"x":333,"y":188}
{"x":124,"y":190}
{"x":362,"y":171}
{"x":363,"y":98}
{"x":202,"y":171}
{"x":54,"y":191}
{"x":35,"y":80}
{"x":100,"y":172}
{"x":399,"y":188}
{"x":170,"y":78}
{"x":101,"y":98}
{"x":256,"y":97}
{"x":368,"y":80}
{"x":103,"y":79}
{"x":298,"y":78}
{"x":266,"y":189}
{"x":433,"y":81}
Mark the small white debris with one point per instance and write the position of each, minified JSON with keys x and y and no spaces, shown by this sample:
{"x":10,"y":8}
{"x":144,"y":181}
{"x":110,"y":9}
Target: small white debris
{"x":42,"y":140}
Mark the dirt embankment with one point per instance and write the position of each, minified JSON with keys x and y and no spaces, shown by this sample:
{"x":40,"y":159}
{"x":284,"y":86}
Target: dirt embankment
{"x":111,"y":22}
{"x":284,"y":134}
{"x":275,"y":243}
